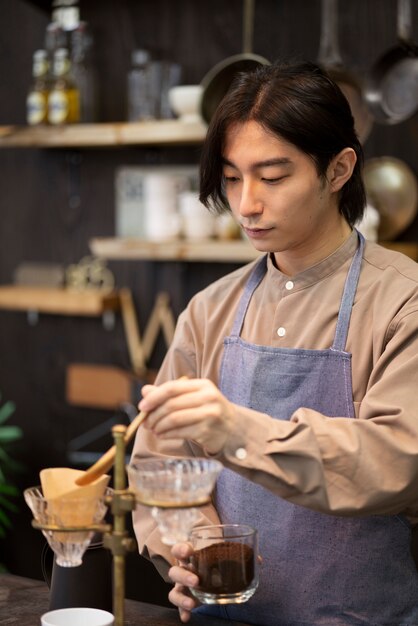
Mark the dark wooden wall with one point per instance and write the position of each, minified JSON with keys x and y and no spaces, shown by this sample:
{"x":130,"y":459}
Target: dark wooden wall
{"x":38,"y":223}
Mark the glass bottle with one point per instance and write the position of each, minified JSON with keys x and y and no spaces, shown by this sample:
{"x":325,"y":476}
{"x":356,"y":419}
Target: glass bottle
{"x":141,"y":103}
{"x":37,"y":98}
{"x":67,"y":14}
{"x":84,"y":71}
{"x":64,"y":97}
{"x":55,"y":38}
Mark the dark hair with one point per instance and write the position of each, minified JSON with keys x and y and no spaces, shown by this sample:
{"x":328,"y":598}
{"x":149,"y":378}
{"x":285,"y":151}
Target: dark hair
{"x":299,"y":103}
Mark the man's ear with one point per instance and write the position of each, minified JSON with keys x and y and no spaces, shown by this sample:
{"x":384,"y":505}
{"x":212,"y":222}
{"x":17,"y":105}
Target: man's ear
{"x":341,"y":168}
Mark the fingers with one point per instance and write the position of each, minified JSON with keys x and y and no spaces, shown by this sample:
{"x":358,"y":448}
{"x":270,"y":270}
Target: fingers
{"x":184,"y":423}
{"x":184,"y":615}
{"x":182,"y":552}
{"x":183,"y":579}
{"x":180,"y":594}
{"x":146,"y":389}
{"x":183,"y":575}
{"x":185,"y":604}
{"x":154,"y":395}
{"x":192,"y":409}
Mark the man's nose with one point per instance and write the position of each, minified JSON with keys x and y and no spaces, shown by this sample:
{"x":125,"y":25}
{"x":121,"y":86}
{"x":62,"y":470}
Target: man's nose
{"x":250,"y":203}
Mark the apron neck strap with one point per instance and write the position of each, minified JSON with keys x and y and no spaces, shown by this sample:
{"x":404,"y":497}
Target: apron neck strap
{"x":255,"y":279}
{"x":347,"y":299}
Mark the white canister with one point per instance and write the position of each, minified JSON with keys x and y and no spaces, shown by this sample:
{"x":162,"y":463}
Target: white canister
{"x":161,"y":219}
{"x":161,"y":189}
{"x":196,"y":220}
{"x":159,"y":227}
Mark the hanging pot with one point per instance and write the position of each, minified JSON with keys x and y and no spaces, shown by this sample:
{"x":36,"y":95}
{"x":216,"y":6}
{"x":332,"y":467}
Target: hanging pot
{"x":392,"y":188}
{"x":329,"y":58}
{"x":219,"y":79}
{"x":392,"y":85}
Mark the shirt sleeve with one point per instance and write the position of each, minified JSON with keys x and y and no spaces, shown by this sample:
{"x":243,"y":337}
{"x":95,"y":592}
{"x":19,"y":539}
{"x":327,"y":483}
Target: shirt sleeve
{"x":340,"y":465}
{"x":179,"y":361}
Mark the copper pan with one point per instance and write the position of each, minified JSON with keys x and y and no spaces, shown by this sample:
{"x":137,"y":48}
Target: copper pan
{"x":392,"y":188}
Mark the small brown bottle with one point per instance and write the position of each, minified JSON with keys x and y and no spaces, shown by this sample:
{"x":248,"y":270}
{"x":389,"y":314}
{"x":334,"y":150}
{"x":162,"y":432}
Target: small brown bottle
{"x":37,"y":98}
{"x":64,"y":97}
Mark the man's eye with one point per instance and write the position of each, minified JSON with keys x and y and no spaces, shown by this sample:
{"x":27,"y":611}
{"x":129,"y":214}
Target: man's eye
{"x":271,"y":181}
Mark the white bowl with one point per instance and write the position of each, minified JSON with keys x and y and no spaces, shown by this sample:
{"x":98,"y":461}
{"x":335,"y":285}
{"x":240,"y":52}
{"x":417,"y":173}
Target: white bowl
{"x":185,"y":102}
{"x":77,"y":617}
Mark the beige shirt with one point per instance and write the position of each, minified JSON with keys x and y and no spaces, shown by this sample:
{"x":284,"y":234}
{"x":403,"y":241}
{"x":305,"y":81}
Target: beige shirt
{"x":338,"y":465}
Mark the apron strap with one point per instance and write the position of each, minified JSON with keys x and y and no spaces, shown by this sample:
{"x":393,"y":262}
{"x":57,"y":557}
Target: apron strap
{"x":347,"y":299}
{"x":252,"y":283}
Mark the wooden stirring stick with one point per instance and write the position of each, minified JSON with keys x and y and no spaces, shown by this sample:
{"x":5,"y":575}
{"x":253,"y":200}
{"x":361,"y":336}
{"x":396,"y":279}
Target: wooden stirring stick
{"x":106,"y":461}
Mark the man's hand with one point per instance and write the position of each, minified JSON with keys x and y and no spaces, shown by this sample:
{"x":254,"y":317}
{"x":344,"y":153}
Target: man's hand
{"x":192,"y":409}
{"x":182,"y":578}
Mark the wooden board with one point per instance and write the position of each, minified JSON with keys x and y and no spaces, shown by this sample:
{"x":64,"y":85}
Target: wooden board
{"x":216,"y":251}
{"x":100,"y":386}
{"x":163,"y":132}
{"x":90,"y":302}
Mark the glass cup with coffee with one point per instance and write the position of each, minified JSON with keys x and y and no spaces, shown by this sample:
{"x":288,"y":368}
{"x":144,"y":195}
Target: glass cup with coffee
{"x":225,"y":558}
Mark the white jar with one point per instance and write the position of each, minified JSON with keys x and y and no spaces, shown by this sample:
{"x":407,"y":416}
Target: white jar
{"x":161,"y":219}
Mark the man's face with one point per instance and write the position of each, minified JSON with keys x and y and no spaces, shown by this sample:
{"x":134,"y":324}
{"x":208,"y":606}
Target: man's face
{"x":275,"y":193}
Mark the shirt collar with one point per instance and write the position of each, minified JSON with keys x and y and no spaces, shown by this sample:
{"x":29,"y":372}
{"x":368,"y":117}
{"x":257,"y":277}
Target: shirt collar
{"x":320,"y":270}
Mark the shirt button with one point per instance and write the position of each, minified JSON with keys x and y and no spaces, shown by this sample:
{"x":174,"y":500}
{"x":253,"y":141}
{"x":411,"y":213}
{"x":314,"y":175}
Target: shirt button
{"x":281,"y":331}
{"x":241,"y":454}
{"x":289,"y":285}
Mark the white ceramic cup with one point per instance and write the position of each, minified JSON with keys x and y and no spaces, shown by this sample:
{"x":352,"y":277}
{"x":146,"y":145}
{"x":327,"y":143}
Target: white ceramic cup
{"x":77,"y":617}
{"x":197,"y":221}
{"x":185,"y":102}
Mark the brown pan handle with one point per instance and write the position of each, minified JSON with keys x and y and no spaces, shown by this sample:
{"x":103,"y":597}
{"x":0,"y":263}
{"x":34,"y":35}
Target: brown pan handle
{"x":404,"y":21}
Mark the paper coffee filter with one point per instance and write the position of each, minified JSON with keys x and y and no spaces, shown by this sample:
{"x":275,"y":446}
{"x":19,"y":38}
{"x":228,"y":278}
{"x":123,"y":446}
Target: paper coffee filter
{"x":59,"y":482}
{"x":68,"y":503}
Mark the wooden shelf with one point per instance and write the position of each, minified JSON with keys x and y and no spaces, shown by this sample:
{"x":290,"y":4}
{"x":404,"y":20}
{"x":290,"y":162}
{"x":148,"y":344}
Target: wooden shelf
{"x":58,"y":301}
{"x":161,"y":132}
{"x":214,"y":251}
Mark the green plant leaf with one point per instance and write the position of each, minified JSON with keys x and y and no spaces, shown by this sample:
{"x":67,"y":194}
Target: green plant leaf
{"x":10,"y":506}
{"x":8,"y":489}
{"x":8,"y":492}
{"x":8,"y":463}
{"x":4,"y":520}
{"x":10,"y":433}
{"x":6,"y":411}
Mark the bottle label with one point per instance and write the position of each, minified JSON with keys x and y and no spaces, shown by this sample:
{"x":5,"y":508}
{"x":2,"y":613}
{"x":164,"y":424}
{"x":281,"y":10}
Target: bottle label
{"x":40,"y":67}
{"x":63,"y":106}
{"x":36,"y":108}
{"x":61,"y":65}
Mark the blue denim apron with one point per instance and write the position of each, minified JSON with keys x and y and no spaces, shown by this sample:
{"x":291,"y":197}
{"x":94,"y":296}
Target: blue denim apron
{"x":316,"y":568}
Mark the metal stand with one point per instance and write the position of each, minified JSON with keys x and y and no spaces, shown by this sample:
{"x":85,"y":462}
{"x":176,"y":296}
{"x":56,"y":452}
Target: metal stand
{"x":117,"y":540}
{"x":115,"y":537}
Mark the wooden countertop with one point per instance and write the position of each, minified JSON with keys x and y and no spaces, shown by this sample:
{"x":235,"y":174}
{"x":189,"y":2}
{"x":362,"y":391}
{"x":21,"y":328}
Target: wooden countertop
{"x":24,"y":600}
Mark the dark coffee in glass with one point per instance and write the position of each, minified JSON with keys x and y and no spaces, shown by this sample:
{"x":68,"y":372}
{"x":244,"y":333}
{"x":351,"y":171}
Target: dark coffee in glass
{"x":226,"y":561}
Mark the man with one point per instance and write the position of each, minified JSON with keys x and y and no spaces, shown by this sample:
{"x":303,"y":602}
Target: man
{"x":302,"y":369}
